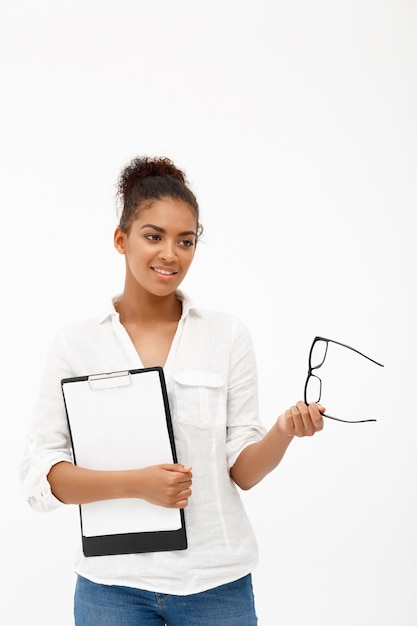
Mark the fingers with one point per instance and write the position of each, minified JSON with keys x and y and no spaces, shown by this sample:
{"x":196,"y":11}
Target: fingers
{"x":177,"y":467}
{"x":182,"y":468}
{"x":180,"y":485}
{"x":180,"y":494}
{"x":315,"y":412}
{"x":181,"y":500}
{"x":303,"y":420}
{"x":167,"y":485}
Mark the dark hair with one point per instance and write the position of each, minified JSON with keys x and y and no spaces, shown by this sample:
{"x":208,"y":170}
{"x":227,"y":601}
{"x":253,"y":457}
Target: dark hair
{"x":144,"y":180}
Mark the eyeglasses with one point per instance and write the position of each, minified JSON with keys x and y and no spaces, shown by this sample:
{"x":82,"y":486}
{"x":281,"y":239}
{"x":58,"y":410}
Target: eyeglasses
{"x":313,"y":384}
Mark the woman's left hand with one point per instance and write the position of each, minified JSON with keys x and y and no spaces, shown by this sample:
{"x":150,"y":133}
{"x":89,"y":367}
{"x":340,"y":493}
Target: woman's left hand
{"x":302,"y":420}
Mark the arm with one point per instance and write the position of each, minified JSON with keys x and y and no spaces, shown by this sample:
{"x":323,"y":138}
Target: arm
{"x":166,"y":485}
{"x":47,"y":473}
{"x":260,"y":458}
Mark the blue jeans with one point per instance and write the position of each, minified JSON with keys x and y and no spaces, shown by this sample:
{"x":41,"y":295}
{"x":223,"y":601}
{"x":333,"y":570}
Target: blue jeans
{"x":112,"y":605}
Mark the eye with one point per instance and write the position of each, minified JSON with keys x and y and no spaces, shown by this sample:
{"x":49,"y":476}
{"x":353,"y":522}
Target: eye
{"x":153,"y":237}
{"x":186,"y":243}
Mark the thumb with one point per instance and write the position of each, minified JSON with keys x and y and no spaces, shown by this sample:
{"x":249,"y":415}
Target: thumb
{"x":183,"y":468}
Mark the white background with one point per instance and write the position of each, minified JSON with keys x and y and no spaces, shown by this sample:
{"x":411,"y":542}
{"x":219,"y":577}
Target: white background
{"x":296,"y":124}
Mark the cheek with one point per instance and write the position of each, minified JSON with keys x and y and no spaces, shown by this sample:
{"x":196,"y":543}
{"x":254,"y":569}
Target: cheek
{"x":136,"y":259}
{"x":137,"y":250}
{"x":189,"y":258}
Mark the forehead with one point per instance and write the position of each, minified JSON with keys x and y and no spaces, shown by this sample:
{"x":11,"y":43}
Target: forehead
{"x":167,"y":212}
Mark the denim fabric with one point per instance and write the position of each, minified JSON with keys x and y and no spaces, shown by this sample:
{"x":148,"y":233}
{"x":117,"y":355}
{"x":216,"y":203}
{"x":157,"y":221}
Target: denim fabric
{"x":110,"y":605}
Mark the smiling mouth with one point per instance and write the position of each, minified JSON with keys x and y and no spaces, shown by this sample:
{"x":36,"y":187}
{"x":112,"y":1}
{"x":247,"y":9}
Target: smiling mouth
{"x":158,"y":270}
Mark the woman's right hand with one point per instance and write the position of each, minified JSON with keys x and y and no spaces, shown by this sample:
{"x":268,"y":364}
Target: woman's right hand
{"x":167,"y":485}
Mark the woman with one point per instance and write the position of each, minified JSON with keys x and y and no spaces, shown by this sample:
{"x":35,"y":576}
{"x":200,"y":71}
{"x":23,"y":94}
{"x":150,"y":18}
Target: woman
{"x":210,"y":374}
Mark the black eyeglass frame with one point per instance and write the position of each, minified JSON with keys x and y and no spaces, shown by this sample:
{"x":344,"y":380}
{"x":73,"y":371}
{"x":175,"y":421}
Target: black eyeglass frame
{"x":311,"y":369}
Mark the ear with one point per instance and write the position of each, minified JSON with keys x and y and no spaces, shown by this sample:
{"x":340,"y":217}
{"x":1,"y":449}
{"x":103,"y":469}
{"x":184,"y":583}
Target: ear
{"x":119,"y":240}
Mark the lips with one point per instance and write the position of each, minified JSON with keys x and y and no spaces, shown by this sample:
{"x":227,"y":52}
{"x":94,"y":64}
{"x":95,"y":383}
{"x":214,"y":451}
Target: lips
{"x":164,"y":272}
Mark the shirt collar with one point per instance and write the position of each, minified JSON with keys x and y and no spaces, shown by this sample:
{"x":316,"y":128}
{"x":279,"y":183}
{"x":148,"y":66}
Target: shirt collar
{"x":187,"y":307}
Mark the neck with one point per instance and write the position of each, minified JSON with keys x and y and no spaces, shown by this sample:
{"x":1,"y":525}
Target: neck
{"x":148,"y":308}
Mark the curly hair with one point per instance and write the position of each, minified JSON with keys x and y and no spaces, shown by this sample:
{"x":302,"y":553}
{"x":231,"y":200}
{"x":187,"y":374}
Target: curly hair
{"x":144,"y":180}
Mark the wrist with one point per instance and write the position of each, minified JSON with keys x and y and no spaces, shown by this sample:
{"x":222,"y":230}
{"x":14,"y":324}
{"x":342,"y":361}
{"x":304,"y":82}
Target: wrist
{"x":123,"y":483}
{"x":280,"y":426}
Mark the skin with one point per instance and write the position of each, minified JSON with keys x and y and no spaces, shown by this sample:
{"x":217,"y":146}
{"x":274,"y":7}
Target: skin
{"x":159,"y":249}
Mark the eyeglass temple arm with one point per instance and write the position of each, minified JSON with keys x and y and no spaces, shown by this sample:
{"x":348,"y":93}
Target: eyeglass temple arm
{"x":338,"y":419}
{"x":349,"y":348}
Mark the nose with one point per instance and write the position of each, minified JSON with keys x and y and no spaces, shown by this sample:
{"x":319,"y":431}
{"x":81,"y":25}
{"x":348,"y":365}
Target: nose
{"x":167,"y":252}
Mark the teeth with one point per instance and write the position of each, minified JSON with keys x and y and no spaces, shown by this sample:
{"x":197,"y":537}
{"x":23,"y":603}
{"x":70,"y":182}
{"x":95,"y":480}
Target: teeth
{"x":159,"y":271}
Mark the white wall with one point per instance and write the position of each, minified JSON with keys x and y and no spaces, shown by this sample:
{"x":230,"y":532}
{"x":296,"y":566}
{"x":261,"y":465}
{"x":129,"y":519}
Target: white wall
{"x":296,"y":124}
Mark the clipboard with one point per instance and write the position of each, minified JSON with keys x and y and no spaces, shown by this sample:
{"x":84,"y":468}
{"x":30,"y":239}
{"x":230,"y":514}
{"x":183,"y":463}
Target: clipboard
{"x":117,"y":421}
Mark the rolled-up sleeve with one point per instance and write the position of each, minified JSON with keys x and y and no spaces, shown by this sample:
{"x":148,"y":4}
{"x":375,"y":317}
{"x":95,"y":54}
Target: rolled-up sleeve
{"x":48,"y":440}
{"x":243,"y":424}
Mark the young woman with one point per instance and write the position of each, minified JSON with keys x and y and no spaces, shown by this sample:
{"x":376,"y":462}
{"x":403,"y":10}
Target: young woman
{"x":210,"y":374}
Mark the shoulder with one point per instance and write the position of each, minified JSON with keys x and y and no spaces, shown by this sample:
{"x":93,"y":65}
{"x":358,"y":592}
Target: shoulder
{"x":210,"y":316}
{"x":101,"y":319}
{"x":218,"y":322}
{"x":84,"y":331}
{"x":79,"y":327}
{"x":221,"y":317}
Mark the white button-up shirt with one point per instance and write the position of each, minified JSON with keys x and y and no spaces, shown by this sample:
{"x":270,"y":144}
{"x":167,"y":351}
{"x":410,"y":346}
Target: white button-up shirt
{"x":211,"y":382}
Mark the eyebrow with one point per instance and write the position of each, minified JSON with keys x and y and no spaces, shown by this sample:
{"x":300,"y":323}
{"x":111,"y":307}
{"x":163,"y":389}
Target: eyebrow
{"x":162,"y":230}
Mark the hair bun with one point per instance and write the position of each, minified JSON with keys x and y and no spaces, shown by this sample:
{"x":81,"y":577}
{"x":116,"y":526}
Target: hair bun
{"x":146,"y":167}
{"x":162,"y":167}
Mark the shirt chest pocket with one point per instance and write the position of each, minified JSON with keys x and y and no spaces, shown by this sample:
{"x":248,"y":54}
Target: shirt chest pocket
{"x":200,"y":398}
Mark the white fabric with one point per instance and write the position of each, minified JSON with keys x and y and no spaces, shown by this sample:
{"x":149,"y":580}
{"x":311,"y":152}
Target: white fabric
{"x":212,"y":389}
